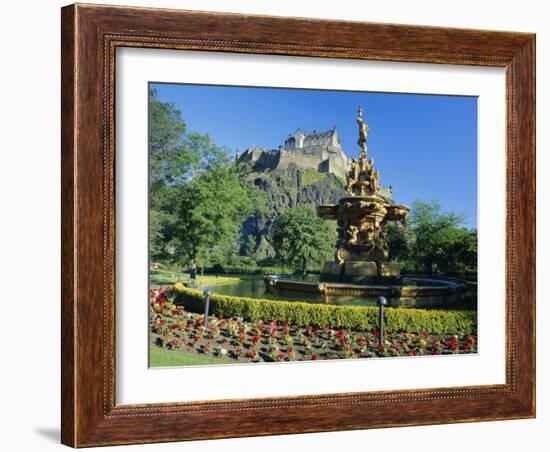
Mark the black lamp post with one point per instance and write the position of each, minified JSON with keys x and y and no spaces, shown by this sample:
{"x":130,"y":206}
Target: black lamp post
{"x":207,"y":293}
{"x":382,"y":301}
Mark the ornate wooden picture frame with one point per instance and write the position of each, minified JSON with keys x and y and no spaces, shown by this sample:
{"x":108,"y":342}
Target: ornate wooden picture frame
{"x":90,"y":37}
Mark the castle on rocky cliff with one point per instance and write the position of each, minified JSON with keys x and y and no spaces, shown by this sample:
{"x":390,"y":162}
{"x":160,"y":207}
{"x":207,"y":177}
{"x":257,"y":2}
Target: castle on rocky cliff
{"x":318,"y":150}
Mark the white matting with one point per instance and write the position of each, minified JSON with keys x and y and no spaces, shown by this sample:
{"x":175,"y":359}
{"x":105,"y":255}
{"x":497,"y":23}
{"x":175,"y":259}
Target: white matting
{"x":138,"y":384}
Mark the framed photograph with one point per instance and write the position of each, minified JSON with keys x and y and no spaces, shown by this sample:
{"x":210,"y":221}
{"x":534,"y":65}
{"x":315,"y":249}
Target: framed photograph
{"x":282,"y":225}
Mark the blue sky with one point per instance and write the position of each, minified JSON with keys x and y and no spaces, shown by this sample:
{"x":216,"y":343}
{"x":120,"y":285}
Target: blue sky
{"x":425,"y":146}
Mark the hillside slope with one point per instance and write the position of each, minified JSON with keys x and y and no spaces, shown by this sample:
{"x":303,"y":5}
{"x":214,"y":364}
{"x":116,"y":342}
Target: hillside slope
{"x":286,"y":188}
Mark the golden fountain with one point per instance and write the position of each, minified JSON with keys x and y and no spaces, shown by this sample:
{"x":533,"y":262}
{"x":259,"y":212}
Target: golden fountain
{"x":360,"y":271}
{"x":362,"y":217}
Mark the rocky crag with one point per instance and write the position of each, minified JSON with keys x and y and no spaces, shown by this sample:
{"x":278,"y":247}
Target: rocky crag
{"x":284,"y":188}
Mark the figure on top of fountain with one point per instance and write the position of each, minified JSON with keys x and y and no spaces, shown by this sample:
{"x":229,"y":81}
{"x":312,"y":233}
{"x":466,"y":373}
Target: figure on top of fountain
{"x":363,"y":130}
{"x":362,"y":178}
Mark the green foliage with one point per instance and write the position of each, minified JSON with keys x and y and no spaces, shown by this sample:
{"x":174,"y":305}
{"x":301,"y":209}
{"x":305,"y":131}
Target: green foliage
{"x":439,"y":240}
{"x":250,"y":245}
{"x":197,"y":200}
{"x":433,"y":241}
{"x":216,"y":204}
{"x":400,"y":239}
{"x":169,"y":159}
{"x":311,"y":177}
{"x":353,"y":317}
{"x":301,"y":239}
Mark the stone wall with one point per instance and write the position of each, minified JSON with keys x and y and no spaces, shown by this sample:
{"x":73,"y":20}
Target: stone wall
{"x":324,"y":159}
{"x":321,"y":151}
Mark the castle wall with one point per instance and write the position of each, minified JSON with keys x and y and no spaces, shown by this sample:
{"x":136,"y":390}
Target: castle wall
{"x":317,"y":157}
{"x":321,"y":152}
{"x":300,"y":159}
{"x":334,"y":165}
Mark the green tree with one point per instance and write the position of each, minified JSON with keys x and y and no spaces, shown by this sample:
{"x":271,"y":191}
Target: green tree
{"x":211,"y":210}
{"x":400,"y":240}
{"x":250,"y":245}
{"x":196,"y":198}
{"x":440,"y":243}
{"x":302,"y":239}
{"x":170,"y":158}
{"x":463,"y":249}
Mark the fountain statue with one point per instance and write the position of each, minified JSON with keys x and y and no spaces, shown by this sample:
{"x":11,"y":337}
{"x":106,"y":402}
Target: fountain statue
{"x":362,"y":217}
{"x":360,"y":271}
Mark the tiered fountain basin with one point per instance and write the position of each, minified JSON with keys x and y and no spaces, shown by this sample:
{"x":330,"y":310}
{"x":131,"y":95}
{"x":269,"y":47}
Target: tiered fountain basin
{"x":410,"y":292}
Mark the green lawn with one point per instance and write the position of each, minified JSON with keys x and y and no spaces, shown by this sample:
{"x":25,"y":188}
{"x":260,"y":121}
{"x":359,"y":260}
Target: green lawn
{"x":159,"y":357}
{"x":161,"y":278}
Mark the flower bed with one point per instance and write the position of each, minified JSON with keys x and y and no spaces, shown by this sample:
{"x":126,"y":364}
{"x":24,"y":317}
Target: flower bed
{"x":309,"y":314}
{"x":175,"y":328}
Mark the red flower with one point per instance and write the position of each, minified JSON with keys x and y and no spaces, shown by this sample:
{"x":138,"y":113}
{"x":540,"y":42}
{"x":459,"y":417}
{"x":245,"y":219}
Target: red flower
{"x":453,"y":343}
{"x":251,"y":353}
{"x":313,"y":357}
{"x":285,"y":324}
{"x":173,"y":327}
{"x":339,"y":333}
{"x":255,"y":339}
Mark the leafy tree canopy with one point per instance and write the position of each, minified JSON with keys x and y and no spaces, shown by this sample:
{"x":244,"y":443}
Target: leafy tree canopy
{"x":197,"y":200}
{"x":434,"y":240}
{"x":302,"y":239}
{"x":176,"y":154}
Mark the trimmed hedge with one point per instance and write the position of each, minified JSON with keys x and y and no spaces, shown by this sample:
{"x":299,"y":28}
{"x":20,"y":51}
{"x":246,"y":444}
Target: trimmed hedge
{"x":352,"y":317}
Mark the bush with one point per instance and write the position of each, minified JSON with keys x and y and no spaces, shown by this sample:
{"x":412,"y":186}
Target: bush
{"x":352,"y":317}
